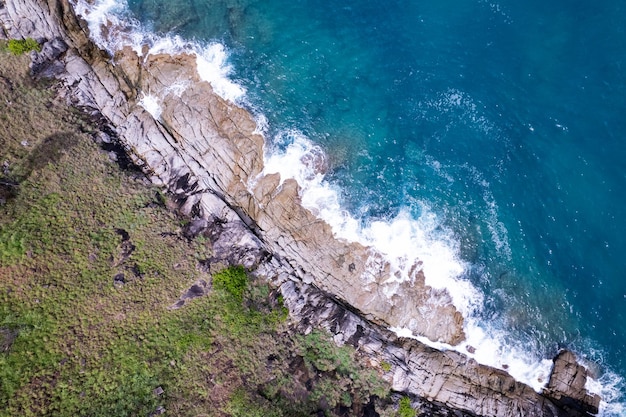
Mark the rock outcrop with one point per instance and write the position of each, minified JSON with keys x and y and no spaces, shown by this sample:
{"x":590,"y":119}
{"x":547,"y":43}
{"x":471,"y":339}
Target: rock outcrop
{"x":209,"y":155}
{"x":199,"y":134}
{"x":444,"y":383}
{"x":567,"y":385}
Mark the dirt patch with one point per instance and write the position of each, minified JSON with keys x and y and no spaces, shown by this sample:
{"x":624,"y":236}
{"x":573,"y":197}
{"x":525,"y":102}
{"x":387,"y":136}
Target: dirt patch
{"x":7,"y":336}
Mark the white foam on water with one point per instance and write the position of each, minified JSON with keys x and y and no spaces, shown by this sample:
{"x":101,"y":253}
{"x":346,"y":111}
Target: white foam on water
{"x":456,"y":100}
{"x":213,"y":67}
{"x":403,"y":240}
{"x":611,"y":388}
{"x":211,"y":61}
{"x":492,"y":349}
{"x":177,"y":88}
{"x":103,"y":15}
{"x":151,"y":104}
{"x":497,"y":229}
{"x":112,"y":28}
{"x":262,"y":124}
{"x":487,"y":347}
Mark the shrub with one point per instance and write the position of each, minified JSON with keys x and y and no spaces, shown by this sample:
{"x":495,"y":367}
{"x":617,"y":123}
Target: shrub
{"x":21,"y":46}
{"x":233,"y":280}
{"x":405,"y":409}
{"x":11,"y":246}
{"x":243,"y":404}
{"x":320,"y":352}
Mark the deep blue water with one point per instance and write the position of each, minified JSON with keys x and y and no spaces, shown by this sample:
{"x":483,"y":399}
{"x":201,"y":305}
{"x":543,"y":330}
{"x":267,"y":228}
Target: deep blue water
{"x":507,"y":120}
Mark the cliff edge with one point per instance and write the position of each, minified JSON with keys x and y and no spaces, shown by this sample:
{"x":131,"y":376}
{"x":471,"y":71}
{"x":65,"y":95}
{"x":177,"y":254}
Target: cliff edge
{"x":207,"y":152}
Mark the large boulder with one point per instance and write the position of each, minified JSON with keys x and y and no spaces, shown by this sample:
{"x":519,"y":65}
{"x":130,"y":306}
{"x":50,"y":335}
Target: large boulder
{"x":566,"y":386}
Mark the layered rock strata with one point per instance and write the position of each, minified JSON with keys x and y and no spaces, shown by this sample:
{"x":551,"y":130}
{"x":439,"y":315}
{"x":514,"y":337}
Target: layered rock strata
{"x":207,"y":152}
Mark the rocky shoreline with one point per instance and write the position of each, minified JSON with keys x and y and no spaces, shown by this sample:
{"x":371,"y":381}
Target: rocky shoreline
{"x":207,"y":153}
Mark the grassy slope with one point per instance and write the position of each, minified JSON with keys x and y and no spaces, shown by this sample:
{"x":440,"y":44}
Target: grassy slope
{"x":73,"y":341}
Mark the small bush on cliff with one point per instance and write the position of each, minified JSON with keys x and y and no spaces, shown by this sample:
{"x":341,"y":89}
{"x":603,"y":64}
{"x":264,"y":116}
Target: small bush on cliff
{"x":233,"y":280}
{"x":324,"y":355}
{"x":21,"y":46}
{"x":405,"y":409}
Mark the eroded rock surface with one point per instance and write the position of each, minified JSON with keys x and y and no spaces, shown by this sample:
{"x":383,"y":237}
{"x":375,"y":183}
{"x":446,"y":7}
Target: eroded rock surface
{"x":567,"y":385}
{"x":446,"y":383}
{"x":206,"y":151}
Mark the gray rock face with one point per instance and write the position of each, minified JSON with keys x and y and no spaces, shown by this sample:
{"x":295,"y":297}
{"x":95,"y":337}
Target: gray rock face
{"x":201,"y":135}
{"x":445,"y":383}
{"x":206,"y":151}
{"x":567,"y":385}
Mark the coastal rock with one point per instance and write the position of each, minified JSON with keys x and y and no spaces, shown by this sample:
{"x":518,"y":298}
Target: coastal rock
{"x":200,"y":135}
{"x":567,"y":385}
{"x":444,"y":382}
{"x":207,"y":152}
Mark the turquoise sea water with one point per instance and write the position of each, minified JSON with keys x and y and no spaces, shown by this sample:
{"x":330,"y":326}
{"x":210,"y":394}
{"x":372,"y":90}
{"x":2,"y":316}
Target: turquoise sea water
{"x":506,"y":120}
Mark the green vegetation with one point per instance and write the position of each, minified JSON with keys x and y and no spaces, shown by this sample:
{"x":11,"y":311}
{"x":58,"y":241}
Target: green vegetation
{"x":321,"y":354}
{"x":11,"y":245}
{"x":232,"y":280}
{"x":21,"y":46}
{"x":405,"y":409}
{"x":350,"y":376}
{"x":74,"y":334}
{"x":92,"y":266}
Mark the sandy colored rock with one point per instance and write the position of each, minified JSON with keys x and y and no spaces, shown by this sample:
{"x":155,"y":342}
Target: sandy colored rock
{"x":567,"y":384}
{"x":199,"y":134}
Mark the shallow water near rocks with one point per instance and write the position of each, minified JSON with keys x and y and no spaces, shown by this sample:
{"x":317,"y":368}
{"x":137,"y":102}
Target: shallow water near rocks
{"x":492,"y":132}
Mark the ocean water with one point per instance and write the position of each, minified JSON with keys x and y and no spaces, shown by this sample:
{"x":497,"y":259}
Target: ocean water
{"x":486,"y":138}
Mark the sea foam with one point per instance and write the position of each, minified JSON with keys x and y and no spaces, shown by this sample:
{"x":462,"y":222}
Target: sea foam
{"x":122,"y":30}
{"x":404,"y":240}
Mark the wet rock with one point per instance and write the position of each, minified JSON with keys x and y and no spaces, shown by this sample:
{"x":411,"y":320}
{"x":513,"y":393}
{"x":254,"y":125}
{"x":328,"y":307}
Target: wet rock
{"x":566,"y":386}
